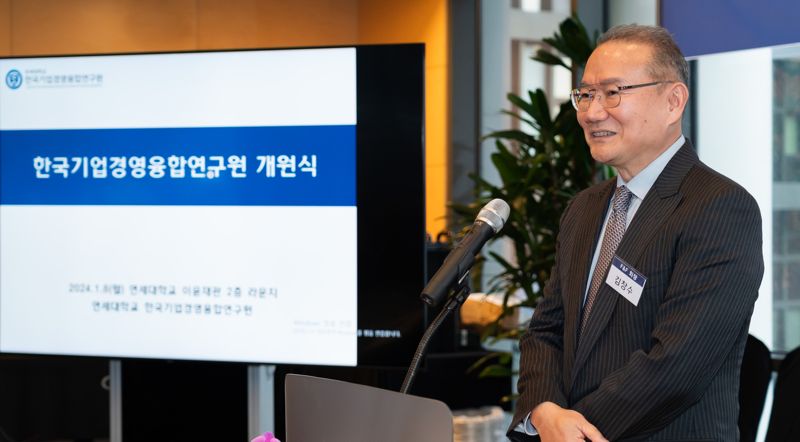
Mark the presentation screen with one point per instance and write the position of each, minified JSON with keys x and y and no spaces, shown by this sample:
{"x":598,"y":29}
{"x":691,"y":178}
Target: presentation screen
{"x":187,"y":206}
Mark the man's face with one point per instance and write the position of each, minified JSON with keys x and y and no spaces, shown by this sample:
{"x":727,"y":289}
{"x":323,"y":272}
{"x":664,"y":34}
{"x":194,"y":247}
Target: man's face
{"x":635,"y":132}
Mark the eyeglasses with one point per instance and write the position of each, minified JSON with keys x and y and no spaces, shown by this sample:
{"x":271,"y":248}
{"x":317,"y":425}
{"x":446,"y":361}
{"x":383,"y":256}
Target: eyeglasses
{"x":609,"y":97}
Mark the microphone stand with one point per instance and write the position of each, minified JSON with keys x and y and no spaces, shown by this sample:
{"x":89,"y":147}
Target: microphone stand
{"x":460,"y":295}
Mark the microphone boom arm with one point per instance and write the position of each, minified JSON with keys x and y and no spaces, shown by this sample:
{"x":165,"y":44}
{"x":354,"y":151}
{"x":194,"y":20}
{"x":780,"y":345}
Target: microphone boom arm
{"x":459,"y":296}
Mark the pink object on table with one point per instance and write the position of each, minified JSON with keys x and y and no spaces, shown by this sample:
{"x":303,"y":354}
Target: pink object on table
{"x":266,"y":437}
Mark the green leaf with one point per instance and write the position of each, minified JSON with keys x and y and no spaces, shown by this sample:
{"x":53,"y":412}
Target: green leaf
{"x":529,"y":108}
{"x":502,"y":261}
{"x":539,"y":101}
{"x":539,"y":173}
{"x":519,"y":117}
{"x":495,"y":371}
{"x":515,"y":135}
{"x":547,"y":58}
{"x":501,"y":357}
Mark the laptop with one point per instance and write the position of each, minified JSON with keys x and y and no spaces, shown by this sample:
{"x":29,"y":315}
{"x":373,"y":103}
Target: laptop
{"x":326,"y":410}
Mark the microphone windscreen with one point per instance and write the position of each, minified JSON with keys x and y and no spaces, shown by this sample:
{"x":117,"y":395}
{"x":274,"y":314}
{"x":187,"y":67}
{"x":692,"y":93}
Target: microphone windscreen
{"x":495,"y":213}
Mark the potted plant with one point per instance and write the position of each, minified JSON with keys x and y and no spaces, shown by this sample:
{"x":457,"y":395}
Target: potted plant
{"x":540,"y":170}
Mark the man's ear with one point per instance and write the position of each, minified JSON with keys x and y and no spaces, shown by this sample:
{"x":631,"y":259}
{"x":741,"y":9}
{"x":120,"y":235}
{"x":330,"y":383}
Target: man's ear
{"x":677,"y":98}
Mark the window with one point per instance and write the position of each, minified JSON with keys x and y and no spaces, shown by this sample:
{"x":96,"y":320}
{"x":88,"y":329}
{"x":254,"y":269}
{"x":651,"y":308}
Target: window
{"x":786,"y":198}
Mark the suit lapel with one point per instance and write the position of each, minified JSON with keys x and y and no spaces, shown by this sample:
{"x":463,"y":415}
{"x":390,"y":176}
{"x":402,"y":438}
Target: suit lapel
{"x":581,"y":258}
{"x":660,"y":202}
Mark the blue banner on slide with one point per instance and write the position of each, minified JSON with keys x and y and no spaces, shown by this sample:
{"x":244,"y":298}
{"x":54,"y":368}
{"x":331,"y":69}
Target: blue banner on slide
{"x":274,"y":166}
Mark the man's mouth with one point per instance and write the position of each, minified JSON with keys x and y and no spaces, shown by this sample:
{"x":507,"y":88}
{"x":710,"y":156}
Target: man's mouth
{"x":602,"y":133}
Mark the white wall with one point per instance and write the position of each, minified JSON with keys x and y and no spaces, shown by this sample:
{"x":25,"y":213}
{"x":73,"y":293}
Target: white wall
{"x":642,"y":12}
{"x":734,"y":131}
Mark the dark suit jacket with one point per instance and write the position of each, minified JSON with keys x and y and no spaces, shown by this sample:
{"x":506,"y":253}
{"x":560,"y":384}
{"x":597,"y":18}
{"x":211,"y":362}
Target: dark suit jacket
{"x":669,"y":368}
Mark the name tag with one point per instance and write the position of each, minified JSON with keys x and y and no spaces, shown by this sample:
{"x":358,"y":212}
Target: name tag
{"x":626,"y":280}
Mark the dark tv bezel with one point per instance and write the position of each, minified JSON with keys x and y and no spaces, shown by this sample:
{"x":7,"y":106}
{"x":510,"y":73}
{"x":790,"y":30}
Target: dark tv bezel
{"x":390,"y":198}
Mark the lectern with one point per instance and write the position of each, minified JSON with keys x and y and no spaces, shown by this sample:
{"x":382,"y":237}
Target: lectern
{"x":325,"y":410}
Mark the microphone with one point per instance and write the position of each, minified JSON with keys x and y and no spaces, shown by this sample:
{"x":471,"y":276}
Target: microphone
{"x":458,"y":262}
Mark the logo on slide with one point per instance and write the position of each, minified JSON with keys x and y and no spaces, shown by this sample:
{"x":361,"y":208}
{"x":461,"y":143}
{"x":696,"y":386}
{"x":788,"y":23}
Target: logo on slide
{"x":14,"y":79}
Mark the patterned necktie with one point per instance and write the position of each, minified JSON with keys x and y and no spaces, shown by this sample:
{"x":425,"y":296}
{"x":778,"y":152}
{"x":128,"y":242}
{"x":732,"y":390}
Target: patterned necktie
{"x":614,"y":231}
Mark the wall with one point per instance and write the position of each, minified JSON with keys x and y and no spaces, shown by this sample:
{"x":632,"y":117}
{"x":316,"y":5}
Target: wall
{"x":642,"y":12}
{"x":727,"y":140}
{"x":52,"y":27}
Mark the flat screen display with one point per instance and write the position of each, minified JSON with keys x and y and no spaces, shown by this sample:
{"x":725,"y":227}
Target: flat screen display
{"x":202,"y":206}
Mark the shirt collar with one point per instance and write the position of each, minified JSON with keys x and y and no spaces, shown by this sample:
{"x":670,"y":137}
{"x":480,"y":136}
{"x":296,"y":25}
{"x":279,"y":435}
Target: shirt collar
{"x":644,"y":180}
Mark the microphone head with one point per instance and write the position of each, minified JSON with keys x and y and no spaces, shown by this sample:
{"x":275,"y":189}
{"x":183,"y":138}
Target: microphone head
{"x":495,"y":214}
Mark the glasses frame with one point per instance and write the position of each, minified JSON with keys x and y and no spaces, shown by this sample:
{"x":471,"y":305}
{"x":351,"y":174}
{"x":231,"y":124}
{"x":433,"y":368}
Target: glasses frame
{"x":574,"y":93}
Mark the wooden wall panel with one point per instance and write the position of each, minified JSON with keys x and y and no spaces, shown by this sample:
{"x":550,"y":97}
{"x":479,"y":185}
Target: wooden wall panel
{"x":100,"y":26}
{"x":308,"y":23}
{"x":227,"y":24}
{"x":5,"y":27}
{"x":253,"y":23}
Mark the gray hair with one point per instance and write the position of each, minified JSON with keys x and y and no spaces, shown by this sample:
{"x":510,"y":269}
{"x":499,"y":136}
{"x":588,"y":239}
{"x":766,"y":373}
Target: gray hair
{"x":667,"y":60}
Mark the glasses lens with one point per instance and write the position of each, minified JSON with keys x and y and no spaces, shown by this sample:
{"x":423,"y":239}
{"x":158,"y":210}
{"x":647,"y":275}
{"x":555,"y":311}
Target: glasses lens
{"x":581,"y":99}
{"x":573,"y":97}
{"x":611,"y":98}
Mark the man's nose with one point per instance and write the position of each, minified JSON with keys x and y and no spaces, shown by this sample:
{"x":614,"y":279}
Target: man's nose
{"x":596,"y":111}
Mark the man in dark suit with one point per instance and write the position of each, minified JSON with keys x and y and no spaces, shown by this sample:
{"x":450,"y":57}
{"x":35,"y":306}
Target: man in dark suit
{"x":642,"y":326}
